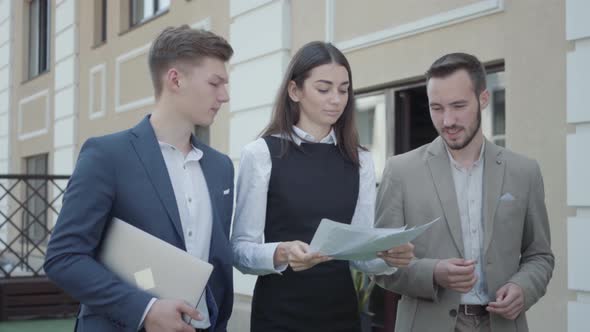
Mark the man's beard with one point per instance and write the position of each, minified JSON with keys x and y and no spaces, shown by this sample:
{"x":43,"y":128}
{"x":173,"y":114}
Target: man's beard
{"x":461,"y":145}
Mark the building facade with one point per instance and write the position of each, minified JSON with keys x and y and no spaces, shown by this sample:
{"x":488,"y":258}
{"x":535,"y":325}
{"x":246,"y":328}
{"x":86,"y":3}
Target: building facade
{"x":72,"y":69}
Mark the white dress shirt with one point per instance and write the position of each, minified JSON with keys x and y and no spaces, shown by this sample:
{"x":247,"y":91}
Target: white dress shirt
{"x":194,"y":208}
{"x":469,"y":190}
{"x":251,"y":254}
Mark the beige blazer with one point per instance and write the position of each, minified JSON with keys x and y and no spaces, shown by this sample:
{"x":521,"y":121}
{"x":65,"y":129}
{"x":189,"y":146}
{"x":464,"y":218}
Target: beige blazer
{"x":418,"y":186}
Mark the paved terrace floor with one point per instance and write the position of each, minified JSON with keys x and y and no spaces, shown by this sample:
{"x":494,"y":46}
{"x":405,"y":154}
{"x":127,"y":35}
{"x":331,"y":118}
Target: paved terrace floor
{"x":53,"y":325}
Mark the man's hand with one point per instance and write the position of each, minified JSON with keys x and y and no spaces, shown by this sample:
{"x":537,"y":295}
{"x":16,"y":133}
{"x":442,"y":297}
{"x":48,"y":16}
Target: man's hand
{"x":301,"y":259}
{"x":399,"y":256}
{"x":509,"y":301}
{"x":456,"y":274}
{"x":166,"y":315}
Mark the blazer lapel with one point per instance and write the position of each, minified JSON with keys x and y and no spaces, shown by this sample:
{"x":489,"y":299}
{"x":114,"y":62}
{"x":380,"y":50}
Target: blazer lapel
{"x":440,"y":170}
{"x":146,"y":145}
{"x":494,"y":167}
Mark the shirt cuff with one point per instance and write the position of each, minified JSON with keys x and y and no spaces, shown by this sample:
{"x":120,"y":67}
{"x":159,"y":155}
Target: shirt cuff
{"x":147,"y":309}
{"x":268,"y":256}
{"x":387,"y":270}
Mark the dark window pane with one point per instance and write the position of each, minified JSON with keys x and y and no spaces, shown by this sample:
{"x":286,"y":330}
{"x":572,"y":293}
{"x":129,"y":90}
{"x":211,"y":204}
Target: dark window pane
{"x":499,"y":117}
{"x":43,"y":36}
{"x":38,"y":37}
{"x":103,"y":21}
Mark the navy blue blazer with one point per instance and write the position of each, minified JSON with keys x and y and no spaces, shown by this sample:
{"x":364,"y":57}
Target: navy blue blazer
{"x":124,"y":175}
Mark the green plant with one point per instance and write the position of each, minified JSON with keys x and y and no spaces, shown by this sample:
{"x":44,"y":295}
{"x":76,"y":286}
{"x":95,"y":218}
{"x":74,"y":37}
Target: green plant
{"x":363,"y":286}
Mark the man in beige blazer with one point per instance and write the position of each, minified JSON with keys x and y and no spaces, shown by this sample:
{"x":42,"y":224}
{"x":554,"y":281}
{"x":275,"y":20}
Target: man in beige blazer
{"x":488,"y":259}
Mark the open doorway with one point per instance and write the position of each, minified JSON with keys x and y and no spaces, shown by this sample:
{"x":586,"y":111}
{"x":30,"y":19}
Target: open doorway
{"x":413,"y":127}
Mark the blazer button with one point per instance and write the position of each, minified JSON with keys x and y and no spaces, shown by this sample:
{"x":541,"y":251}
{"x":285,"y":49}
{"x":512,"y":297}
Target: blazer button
{"x":453,"y":313}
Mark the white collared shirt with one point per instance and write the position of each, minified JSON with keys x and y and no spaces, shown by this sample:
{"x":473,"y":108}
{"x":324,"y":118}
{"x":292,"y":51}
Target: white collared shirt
{"x":194,"y":208}
{"x":251,"y":254}
{"x":469,"y":191}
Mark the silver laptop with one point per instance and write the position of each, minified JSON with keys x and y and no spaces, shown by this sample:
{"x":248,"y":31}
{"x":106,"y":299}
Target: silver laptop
{"x":152,"y":264}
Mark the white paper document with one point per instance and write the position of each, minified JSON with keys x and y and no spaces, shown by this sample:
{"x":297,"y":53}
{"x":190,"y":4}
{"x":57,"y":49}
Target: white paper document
{"x":349,"y":242}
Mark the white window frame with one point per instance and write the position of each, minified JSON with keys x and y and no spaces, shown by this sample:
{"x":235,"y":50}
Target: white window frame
{"x":150,"y":8}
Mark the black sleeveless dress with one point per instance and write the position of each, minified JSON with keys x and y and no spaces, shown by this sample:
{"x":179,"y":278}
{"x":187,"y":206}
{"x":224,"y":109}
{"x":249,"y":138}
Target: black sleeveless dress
{"x":306,"y":185}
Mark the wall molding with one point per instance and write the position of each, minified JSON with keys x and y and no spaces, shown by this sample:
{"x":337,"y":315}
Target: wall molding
{"x":329,"y":30}
{"x":63,"y":132}
{"x":237,"y":13}
{"x":60,"y":9}
{"x":60,"y":79}
{"x":65,"y":58}
{"x":253,"y":108}
{"x":583,"y":297}
{"x":433,"y":22}
{"x":6,"y":39}
{"x":24,"y":136}
{"x":64,"y":28}
{"x":134,"y":53}
{"x":5,"y":73}
{"x":260,"y":56}
{"x":270,"y":23}
{"x":204,"y":24}
{"x":64,"y":44}
{"x":100,"y":68}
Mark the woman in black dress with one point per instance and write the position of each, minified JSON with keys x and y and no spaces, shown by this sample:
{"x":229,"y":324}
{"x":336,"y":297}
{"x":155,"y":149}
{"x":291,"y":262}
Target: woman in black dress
{"x":308,"y":165}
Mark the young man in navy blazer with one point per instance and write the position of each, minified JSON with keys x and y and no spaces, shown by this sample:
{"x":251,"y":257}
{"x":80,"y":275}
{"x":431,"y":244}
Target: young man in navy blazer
{"x":158,"y":177}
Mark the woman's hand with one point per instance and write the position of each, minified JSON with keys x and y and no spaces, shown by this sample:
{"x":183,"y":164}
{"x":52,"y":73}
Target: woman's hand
{"x":281,"y":255}
{"x":301,"y":259}
{"x":296,"y":254}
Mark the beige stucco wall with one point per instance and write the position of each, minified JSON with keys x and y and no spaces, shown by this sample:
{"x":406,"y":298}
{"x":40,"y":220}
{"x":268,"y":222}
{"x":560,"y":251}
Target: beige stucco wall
{"x":529,"y":38}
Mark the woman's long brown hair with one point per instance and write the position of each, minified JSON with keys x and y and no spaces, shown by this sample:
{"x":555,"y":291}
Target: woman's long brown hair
{"x":286,"y":112}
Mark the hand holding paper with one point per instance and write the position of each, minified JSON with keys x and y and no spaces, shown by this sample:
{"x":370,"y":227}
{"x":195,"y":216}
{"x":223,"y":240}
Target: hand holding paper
{"x":349,"y":242}
{"x":399,"y":256}
{"x":301,"y":258}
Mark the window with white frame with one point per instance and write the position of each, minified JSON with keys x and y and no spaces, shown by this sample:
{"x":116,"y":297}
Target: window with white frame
{"x":372,"y":127}
{"x":395,"y":120}
{"x":38,"y":12}
{"x":494,"y":116}
{"x":142,"y":10}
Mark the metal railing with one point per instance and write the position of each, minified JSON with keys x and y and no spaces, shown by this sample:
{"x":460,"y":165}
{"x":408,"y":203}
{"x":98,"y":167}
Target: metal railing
{"x":29,"y":205}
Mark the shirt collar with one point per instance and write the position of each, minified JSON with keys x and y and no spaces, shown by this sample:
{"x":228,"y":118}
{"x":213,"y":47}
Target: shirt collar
{"x":478,"y":162}
{"x":194,"y":154}
{"x":301,"y":136}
